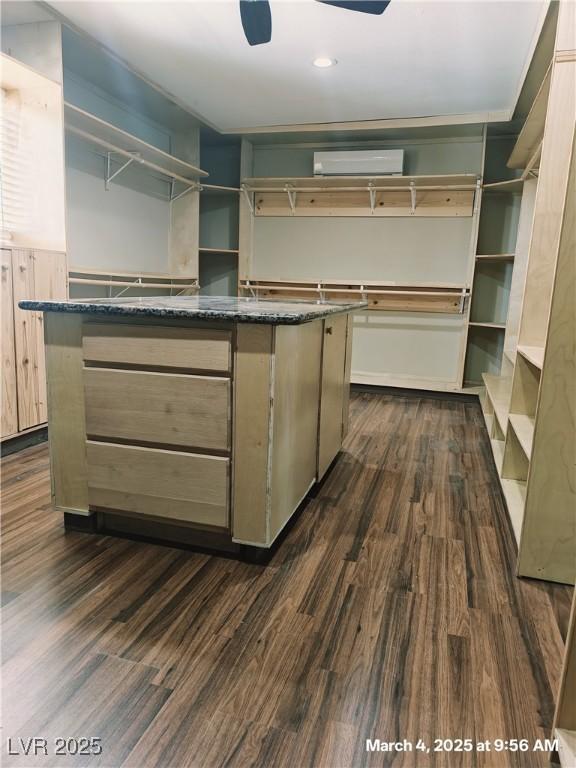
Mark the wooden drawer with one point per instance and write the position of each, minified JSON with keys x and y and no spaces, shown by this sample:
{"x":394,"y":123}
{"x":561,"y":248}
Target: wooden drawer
{"x":156,"y":346}
{"x":173,"y":409}
{"x":168,"y":484}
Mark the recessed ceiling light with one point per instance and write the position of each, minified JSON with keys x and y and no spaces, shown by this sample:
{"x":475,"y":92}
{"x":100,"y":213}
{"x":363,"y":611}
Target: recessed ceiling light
{"x":323,"y":61}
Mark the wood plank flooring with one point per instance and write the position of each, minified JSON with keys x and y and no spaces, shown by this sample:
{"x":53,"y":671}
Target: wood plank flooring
{"x":390,"y":611}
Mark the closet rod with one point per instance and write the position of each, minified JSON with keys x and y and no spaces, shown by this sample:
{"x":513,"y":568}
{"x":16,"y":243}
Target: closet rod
{"x":427,"y":188}
{"x":130,"y":284}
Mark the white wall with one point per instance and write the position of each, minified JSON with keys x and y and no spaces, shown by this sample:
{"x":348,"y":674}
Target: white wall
{"x":119,"y":229}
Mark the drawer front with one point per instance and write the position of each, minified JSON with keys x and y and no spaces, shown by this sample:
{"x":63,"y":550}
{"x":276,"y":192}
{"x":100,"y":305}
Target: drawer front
{"x":155,"y":346}
{"x":167,"y":484}
{"x":165,"y":408}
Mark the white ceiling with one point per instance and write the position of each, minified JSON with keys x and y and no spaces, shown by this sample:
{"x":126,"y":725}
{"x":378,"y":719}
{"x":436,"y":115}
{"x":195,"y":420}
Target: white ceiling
{"x":420,"y":58}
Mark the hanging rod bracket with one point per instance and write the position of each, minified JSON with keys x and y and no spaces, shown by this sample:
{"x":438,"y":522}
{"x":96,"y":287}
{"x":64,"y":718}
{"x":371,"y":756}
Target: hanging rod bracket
{"x":112,"y":175}
{"x":291,"y":198}
{"x":372,"y":193}
{"x":249,"y":201}
{"x":412,"y":198}
{"x":174,"y":197}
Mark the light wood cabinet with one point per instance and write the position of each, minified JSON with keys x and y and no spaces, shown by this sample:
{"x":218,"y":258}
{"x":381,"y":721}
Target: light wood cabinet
{"x":26,"y":274}
{"x":36,"y":275}
{"x":9,"y":403}
{"x":333,"y":393}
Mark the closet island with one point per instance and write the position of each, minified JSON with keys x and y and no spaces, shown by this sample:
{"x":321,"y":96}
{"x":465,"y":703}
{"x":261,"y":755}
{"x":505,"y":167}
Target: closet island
{"x":200,"y":420}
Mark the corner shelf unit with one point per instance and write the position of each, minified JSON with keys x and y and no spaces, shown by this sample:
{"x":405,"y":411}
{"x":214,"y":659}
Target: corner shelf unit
{"x":114,"y":283}
{"x":445,"y":195}
{"x":416,"y":297}
{"x":124,"y":148}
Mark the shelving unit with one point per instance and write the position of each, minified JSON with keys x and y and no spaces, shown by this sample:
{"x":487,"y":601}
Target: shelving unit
{"x":132,"y":150}
{"x":523,"y":426}
{"x":86,"y":283}
{"x":499,"y":392}
{"x":534,"y":355}
{"x":423,"y":297}
{"x":442,"y":195}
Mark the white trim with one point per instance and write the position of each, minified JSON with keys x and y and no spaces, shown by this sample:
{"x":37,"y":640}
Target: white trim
{"x":500,"y":116}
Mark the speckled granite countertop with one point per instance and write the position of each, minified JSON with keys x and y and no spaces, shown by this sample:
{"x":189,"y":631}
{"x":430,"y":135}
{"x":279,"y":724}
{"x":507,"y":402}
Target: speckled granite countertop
{"x":231,"y":309}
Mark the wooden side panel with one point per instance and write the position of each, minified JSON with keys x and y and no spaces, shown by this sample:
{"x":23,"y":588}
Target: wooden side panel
{"x":548,"y":541}
{"x":333,"y":391}
{"x":9,"y":424}
{"x":158,"y":346}
{"x":67,"y":433}
{"x":167,"y":484}
{"x":167,"y":408}
{"x":347,"y":374}
{"x":37,"y":275}
{"x":565,"y":716}
{"x":297,"y":355}
{"x":253,"y":380}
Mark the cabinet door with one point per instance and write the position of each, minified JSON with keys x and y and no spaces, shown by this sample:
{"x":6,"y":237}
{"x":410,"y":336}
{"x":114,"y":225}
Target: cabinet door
{"x":37,"y":275}
{"x":9,"y":424}
{"x":333,"y":393}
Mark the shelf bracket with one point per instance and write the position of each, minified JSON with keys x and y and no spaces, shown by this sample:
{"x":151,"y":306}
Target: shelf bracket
{"x":291,"y":198}
{"x":174,"y":197}
{"x":109,"y":174}
{"x":477,"y":195}
{"x":251,"y":289}
{"x":412,"y":198}
{"x":372,"y":193}
{"x":248,"y":199}
{"x":321,"y":292}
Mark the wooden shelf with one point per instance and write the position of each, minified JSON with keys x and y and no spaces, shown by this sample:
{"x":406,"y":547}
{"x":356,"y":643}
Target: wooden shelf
{"x":495,"y":257}
{"x":495,"y":326}
{"x":515,"y":495}
{"x":218,"y":250}
{"x":144,"y":280}
{"x":463,"y":181}
{"x":533,"y":129}
{"x":499,"y":391}
{"x":119,"y":142}
{"x":498,"y":451}
{"x":534,"y":355}
{"x":379,"y":196}
{"x":447,"y":298}
{"x":511,"y":185}
{"x":523,"y":426}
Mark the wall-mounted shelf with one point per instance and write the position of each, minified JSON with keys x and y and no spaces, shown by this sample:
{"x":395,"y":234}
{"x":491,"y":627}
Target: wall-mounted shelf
{"x":414,"y":297}
{"x":514,"y":186}
{"x":534,"y":355}
{"x":532,"y":131}
{"x":362,"y":195}
{"x":495,"y":257}
{"x":132,"y":280}
{"x":218,"y":250}
{"x":130,"y":149}
{"x":499,"y":392}
{"x":523,"y":426}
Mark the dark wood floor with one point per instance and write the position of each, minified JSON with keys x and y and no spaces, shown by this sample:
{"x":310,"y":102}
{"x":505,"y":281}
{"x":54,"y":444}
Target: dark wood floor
{"x":390,"y":611}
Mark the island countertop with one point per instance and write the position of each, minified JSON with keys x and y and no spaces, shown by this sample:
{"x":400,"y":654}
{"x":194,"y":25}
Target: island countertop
{"x":225,"y":308}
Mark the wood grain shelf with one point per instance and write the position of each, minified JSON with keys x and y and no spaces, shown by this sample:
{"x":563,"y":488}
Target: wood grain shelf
{"x":514,"y":186}
{"x":140,"y":280}
{"x":131,"y":148}
{"x":534,"y":355}
{"x":566,"y":747}
{"x":495,"y":257}
{"x":495,"y":326}
{"x":533,"y":129}
{"x":447,"y":298}
{"x":515,"y":495}
{"x":499,"y":391}
{"x":463,"y":181}
{"x":379,"y":196}
{"x":523,"y":426}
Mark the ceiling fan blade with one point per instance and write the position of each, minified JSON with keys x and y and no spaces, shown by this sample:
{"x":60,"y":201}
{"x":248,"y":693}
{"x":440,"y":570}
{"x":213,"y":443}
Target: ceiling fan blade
{"x":256,"y":21}
{"x":375,"y":7}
